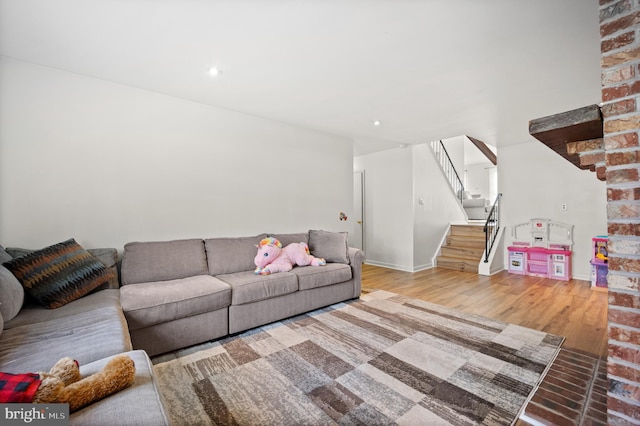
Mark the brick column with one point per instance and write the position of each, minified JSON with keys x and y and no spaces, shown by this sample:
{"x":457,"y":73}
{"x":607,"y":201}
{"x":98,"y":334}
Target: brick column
{"x":620,"y":47}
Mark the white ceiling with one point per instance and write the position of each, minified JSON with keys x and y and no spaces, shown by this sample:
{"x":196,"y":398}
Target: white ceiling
{"x":429,"y":69}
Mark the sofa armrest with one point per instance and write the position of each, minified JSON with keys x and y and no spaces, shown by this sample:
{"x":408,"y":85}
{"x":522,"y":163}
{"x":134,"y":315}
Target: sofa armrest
{"x":356,"y":258}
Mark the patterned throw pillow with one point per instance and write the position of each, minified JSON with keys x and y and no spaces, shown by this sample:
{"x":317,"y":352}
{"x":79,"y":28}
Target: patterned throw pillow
{"x":59,"y":274}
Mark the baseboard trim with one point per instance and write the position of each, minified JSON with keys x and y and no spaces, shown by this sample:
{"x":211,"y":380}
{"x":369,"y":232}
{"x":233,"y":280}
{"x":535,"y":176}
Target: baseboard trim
{"x":582,"y":277}
{"x":399,"y":267}
{"x":423,"y":267}
{"x":388,"y":265}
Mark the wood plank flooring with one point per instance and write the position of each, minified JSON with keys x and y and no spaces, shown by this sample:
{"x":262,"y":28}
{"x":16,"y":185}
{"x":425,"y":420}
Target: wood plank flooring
{"x":566,"y":308}
{"x":574,"y":392}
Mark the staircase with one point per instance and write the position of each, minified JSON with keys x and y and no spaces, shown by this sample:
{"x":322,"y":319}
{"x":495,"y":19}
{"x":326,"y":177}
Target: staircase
{"x":464,"y":248}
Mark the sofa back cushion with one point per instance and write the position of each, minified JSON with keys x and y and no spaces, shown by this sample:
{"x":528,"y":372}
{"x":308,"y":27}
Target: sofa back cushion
{"x":229,"y":255}
{"x":163,"y":260}
{"x":109,"y":258}
{"x":286,"y":239}
{"x":331,"y":246}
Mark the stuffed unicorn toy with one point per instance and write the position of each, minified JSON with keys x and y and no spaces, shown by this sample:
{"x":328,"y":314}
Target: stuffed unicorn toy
{"x":272,"y":257}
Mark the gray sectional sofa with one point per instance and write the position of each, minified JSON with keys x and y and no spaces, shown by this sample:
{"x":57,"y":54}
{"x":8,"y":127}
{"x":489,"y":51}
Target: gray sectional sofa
{"x":179,"y":293}
{"x":91,"y":330}
{"x":167,"y":295}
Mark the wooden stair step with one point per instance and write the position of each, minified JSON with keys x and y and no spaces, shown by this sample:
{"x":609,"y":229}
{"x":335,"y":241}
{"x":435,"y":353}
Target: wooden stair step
{"x":463,"y":252}
{"x":457,"y":263}
{"x":465,"y":242}
{"x":467,"y":230}
{"x":464,"y":248}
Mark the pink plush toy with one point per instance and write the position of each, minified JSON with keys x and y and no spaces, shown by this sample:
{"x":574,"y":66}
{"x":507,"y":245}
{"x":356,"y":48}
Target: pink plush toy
{"x":272,"y":257}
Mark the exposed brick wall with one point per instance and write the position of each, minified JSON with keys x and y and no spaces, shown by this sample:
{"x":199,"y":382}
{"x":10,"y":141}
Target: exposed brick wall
{"x":620,"y":47}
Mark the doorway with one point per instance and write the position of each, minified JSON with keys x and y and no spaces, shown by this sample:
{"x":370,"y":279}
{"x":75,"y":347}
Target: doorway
{"x":357,"y":238}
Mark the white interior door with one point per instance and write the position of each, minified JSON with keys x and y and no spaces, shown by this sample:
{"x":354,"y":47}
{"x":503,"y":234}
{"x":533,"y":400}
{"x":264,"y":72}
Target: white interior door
{"x":357,"y":240}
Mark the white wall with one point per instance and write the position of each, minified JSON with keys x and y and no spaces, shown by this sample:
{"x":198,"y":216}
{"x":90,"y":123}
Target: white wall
{"x":388,"y":207}
{"x":402,"y":233}
{"x":438,"y":209}
{"x":535,"y":181}
{"x":478,"y":179}
{"x":108,"y":164}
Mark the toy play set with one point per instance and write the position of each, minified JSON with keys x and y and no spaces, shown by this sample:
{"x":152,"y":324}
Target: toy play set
{"x":542,"y":248}
{"x":599,"y":262}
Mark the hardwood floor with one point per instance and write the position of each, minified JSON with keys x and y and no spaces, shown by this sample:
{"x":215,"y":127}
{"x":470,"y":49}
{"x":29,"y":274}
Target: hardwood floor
{"x":566,"y":308}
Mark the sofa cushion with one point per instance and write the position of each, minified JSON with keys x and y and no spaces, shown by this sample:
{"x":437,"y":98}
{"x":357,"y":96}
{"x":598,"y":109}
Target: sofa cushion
{"x":109,"y":258}
{"x":139,"y":404}
{"x":320,"y":276}
{"x":59,"y":274}
{"x":286,"y":239}
{"x":144,"y":262}
{"x":11,"y":294}
{"x":32,"y":313}
{"x":230,"y":255}
{"x":248,"y":287}
{"x":87,"y":335}
{"x":332,"y":246}
{"x":146,"y":304}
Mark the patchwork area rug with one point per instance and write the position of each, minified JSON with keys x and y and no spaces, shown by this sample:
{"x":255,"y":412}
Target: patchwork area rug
{"x":385,"y":359}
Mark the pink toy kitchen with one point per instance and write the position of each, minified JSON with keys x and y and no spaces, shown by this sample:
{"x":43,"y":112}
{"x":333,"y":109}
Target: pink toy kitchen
{"x":542,"y":248}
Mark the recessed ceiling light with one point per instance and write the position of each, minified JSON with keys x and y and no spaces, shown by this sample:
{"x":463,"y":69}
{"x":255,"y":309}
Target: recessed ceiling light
{"x":213,"y":71}
{"x":377,"y":122}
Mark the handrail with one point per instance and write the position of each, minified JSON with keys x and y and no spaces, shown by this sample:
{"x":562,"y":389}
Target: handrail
{"x":491,"y":227}
{"x":448,"y":169}
{"x":453,"y":168}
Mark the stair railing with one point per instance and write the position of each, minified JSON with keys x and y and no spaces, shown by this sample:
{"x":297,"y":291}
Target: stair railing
{"x":491,"y":227}
{"x":449,"y":170}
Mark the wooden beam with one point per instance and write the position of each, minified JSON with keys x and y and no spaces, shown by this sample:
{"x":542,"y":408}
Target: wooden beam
{"x":557,"y":130}
{"x":484,"y":149}
{"x":570,"y":126}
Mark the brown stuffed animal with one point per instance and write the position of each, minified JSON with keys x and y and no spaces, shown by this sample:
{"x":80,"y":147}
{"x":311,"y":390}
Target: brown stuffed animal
{"x":63,"y":384}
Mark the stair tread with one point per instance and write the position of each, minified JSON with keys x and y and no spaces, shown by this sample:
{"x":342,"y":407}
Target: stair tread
{"x":464,"y":248}
{"x":474,"y":234}
{"x":459,"y":258}
{"x":469,"y":226}
{"x":465,"y":244}
{"x":457,"y":264}
{"x":467,"y":234}
{"x":471,"y":252}
{"x":458,"y":238}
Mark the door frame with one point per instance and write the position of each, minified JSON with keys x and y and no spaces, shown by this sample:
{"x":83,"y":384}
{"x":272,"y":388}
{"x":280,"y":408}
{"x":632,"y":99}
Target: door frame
{"x":359,"y":175}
